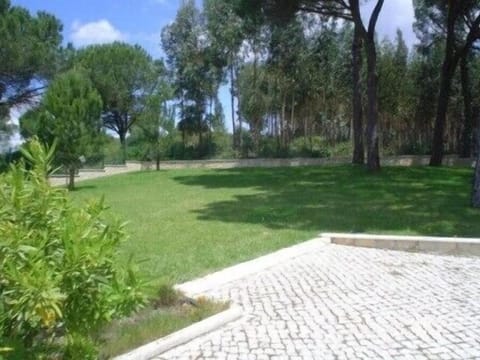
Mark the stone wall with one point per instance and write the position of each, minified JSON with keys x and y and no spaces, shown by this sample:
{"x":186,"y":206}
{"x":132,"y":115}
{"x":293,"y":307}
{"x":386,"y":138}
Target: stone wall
{"x":404,"y":160}
{"x":130,"y":166}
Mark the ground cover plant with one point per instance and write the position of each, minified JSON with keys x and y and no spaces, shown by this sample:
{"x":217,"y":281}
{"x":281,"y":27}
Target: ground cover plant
{"x":59,"y":279}
{"x":186,"y":223}
{"x":171,"y":311}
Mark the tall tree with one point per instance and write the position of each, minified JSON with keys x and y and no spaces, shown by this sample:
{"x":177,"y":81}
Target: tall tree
{"x":466,"y":139}
{"x":348,"y":10}
{"x":29,"y":47}
{"x":458,"y":22}
{"x":476,"y":177}
{"x":196,"y":68}
{"x":71,"y":110}
{"x":368,"y":35}
{"x":392,"y":69}
{"x":156,"y":128}
{"x":254,"y":100}
{"x":357,"y":119}
{"x":125,"y":75}
{"x":225,"y":31}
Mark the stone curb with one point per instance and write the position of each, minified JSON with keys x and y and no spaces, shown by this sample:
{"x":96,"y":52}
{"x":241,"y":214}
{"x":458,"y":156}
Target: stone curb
{"x":220,"y":278}
{"x":199,"y":286}
{"x":182,"y":336}
{"x":429,"y":244}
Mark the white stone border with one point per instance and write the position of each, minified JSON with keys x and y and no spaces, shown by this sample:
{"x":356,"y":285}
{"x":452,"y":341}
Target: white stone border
{"x":194,"y":288}
{"x":430,"y":244}
{"x":182,"y":336}
{"x":200,"y":286}
{"x":220,"y":278}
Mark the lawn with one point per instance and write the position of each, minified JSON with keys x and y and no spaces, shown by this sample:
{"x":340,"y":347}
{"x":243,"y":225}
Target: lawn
{"x":186,"y":223}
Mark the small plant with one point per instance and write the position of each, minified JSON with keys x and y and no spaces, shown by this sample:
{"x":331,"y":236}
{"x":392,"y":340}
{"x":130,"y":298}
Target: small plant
{"x":58,"y":277}
{"x":167,"y":296}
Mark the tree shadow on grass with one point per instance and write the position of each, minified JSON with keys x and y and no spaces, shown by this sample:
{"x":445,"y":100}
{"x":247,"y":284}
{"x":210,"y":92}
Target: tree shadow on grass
{"x":427,"y":201}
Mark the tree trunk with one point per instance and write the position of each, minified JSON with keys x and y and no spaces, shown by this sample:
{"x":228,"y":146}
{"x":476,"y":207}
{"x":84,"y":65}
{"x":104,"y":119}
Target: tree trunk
{"x":71,"y":178}
{"x":283,"y":120}
{"x":476,"y":177}
{"x":200,"y":133}
{"x":232,"y":101}
{"x":448,"y":70}
{"x":373,"y":157}
{"x":123,"y":145}
{"x":466,"y":142}
{"x":240,"y":119}
{"x":291,"y":129}
{"x":358,"y":147}
{"x":368,"y":37}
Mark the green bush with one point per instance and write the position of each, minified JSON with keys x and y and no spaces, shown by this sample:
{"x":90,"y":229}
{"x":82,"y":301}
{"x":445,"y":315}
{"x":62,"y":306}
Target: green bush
{"x":58,"y":277}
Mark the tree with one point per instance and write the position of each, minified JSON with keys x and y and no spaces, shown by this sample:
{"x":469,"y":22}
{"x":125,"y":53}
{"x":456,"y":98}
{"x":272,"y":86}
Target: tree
{"x":156,"y":128}
{"x":284,"y":11}
{"x":125,"y":76}
{"x":196,"y":68}
{"x":28,"y":57}
{"x":225,"y":31}
{"x":70,"y":113}
{"x":253,"y":100}
{"x":368,"y":36}
{"x":357,"y":118}
{"x":458,"y":22}
{"x":476,"y":177}
{"x":392,"y":69}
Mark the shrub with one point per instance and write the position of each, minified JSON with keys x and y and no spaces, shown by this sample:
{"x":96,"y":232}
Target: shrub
{"x":58,"y":278}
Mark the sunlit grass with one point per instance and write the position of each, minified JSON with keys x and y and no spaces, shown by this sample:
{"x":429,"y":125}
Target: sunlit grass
{"x":187,"y":223}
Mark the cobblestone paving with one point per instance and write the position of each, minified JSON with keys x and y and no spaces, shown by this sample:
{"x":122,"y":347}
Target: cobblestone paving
{"x":351,"y":303}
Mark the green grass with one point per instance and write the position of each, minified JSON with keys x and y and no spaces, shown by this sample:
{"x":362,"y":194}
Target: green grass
{"x":126,"y":334}
{"x":187,"y":223}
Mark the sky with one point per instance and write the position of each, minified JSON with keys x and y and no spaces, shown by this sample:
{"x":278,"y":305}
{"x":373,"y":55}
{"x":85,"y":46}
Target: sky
{"x":88,"y":22}
{"x":140,"y":21}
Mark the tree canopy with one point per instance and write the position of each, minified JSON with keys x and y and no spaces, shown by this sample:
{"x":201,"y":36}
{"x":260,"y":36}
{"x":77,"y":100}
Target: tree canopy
{"x":28,"y":59}
{"x":124,"y":75}
{"x":70,"y":115}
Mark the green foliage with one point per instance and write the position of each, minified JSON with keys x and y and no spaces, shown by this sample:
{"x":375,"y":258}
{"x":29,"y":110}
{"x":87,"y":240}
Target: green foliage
{"x":196,"y":69}
{"x":124,"y":86}
{"x":57,"y":262}
{"x":29,"y":48}
{"x":79,"y":347}
{"x":156,"y":128}
{"x":70,"y":113}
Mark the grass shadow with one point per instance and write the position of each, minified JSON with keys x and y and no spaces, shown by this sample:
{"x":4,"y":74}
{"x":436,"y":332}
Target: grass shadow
{"x":430,"y":201}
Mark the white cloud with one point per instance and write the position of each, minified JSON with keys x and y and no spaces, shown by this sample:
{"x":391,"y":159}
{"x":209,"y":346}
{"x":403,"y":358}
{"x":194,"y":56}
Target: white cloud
{"x":95,"y":32}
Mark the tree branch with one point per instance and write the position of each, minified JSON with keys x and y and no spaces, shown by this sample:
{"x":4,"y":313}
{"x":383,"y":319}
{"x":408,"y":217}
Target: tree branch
{"x":374,"y":18}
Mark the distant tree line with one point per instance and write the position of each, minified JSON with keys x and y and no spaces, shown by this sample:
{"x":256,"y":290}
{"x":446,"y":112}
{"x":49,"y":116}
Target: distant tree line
{"x":305,"y":77}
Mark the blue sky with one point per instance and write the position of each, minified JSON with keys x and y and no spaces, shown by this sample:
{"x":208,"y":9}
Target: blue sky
{"x":140,"y":21}
{"x":89,"y":21}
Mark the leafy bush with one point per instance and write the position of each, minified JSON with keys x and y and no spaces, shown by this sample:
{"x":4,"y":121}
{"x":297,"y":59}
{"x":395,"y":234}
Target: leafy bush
{"x":58,"y":278}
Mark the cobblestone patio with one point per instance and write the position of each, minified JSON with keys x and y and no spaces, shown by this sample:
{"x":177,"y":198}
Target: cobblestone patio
{"x":341,"y":302}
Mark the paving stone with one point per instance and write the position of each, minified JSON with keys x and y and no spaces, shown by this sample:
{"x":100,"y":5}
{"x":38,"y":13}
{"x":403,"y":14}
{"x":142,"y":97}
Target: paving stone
{"x":343,"y":302}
